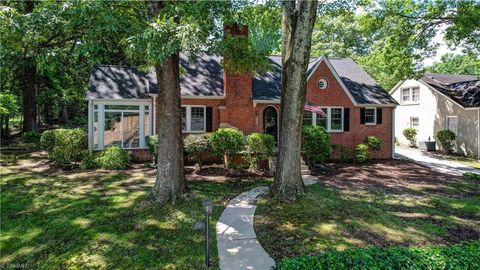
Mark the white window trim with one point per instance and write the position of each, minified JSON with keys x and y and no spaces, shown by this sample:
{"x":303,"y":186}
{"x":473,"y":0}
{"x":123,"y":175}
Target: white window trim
{"x":415,"y":101}
{"x":446,"y":122}
{"x":329,"y":118}
{"x":188,"y":120}
{"x":411,"y":121}
{"x":410,"y":100}
{"x":374,"y":116}
{"x":101,"y":120}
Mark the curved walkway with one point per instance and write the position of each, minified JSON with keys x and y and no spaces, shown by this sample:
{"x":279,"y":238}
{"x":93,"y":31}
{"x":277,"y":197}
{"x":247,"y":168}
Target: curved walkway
{"x":237,"y":244}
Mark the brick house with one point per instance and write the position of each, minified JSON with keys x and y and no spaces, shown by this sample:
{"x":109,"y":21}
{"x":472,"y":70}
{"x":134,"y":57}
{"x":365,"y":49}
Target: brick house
{"x":344,"y":98}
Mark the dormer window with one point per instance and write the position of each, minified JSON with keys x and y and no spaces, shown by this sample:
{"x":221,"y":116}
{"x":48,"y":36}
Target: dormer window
{"x":322,"y":84}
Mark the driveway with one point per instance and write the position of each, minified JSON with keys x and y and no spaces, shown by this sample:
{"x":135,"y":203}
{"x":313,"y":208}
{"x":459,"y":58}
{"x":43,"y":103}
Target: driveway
{"x":444,"y":166}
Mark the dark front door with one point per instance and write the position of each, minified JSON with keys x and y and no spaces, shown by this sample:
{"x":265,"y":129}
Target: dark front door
{"x":270,"y":122}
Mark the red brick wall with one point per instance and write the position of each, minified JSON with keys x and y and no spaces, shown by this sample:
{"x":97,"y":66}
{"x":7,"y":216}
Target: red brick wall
{"x":334,"y":95}
{"x":237,"y":109}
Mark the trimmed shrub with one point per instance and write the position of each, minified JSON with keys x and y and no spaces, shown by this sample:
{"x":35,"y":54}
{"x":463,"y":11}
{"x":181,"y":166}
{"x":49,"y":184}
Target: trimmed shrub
{"x":152,"y":143}
{"x":88,"y":161}
{"x":31,"y":137}
{"x":198,"y":146}
{"x":316,"y":144}
{"x":411,"y":135}
{"x":374,"y":143}
{"x":226,"y":142}
{"x":447,"y":139}
{"x":47,"y":140}
{"x":471,"y":176}
{"x":68,"y":146}
{"x":259,"y":147}
{"x":459,"y":256}
{"x":361,"y":153}
{"x":113,"y":157}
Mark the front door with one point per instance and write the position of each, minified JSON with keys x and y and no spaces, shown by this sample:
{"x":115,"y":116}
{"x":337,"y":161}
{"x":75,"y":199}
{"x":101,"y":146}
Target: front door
{"x":270,"y":120}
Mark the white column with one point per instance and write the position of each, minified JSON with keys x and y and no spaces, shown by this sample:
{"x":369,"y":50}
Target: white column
{"x":189,"y":119}
{"x":393,"y":132}
{"x":101,"y":125}
{"x":314,"y":118}
{"x":154,"y":105}
{"x":90,"y":124}
{"x":142,"y":125}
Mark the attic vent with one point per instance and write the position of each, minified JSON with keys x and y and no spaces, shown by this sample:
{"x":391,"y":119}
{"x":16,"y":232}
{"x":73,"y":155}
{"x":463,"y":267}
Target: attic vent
{"x":322,"y":84}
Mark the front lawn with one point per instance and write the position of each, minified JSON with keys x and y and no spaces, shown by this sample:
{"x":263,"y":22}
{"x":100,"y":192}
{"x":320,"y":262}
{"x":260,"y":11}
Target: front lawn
{"x":394,"y":203}
{"x":54,"y":219}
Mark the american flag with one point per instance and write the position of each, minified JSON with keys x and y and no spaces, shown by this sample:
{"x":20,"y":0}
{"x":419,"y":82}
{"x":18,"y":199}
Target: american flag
{"x":311,"y":107}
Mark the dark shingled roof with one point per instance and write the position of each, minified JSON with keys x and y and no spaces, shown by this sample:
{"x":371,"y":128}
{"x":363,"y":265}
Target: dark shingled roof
{"x":361,"y":86}
{"x":202,"y":77}
{"x":463,"y":89}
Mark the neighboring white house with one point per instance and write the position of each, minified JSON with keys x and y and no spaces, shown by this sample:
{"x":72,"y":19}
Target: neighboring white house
{"x":438,"y":101}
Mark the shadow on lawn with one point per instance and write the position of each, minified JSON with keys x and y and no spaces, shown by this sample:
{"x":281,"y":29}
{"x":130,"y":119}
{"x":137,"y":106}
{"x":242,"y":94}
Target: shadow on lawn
{"x":58,"y":219}
{"x":382,"y":204}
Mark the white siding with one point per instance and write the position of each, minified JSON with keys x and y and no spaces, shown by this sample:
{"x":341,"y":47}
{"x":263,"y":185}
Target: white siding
{"x":425,"y":110}
{"x":432,"y":111}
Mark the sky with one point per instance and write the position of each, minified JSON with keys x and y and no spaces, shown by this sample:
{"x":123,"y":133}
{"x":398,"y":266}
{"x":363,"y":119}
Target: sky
{"x":443,"y":49}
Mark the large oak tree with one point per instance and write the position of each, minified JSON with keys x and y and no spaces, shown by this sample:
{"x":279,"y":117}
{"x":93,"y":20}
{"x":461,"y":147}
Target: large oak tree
{"x":298,"y":18}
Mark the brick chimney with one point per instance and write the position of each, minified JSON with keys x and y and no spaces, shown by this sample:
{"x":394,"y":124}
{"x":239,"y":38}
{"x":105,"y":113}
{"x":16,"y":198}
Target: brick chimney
{"x":237,"y":87}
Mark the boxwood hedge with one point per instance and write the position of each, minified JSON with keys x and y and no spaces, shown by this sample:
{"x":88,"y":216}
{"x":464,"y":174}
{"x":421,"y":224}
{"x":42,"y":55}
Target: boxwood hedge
{"x":460,"y":256}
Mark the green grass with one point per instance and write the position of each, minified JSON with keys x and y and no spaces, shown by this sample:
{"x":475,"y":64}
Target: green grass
{"x":102,"y":220}
{"x":373,"y":209}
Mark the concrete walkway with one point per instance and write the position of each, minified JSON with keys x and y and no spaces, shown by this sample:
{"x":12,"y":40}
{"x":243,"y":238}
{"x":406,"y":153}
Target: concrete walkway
{"x":237,"y":244}
{"x":441,"y":165}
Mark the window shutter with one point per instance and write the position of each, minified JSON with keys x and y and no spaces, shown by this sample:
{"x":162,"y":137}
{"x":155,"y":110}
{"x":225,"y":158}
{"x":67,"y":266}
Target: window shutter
{"x":362,"y":116}
{"x":209,"y":119}
{"x":346,"y":119}
{"x":379,"y":116}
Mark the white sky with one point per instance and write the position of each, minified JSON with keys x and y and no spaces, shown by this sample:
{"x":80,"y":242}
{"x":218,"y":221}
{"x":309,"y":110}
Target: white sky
{"x":443,"y":48}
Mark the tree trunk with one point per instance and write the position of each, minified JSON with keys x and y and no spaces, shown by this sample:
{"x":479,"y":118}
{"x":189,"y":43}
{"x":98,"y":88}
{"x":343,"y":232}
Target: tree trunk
{"x":297,"y":25}
{"x":29,"y":89}
{"x":170,"y":181}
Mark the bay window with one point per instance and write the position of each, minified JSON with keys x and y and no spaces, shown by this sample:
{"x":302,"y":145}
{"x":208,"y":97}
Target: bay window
{"x":125,"y":125}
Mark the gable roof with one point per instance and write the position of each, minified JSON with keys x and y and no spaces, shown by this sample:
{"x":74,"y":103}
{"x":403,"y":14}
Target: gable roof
{"x":463,"y":89}
{"x":360,"y":86}
{"x":202,"y":77}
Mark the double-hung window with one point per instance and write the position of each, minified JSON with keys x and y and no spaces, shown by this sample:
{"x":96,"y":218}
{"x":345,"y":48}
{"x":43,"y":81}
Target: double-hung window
{"x":193,"y":118}
{"x":410,"y":95}
{"x":414,"y":122}
{"x":415,"y":94}
{"x":452,"y":123}
{"x":406,"y":95}
{"x":331,"y":121}
{"x":370,"y":116}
